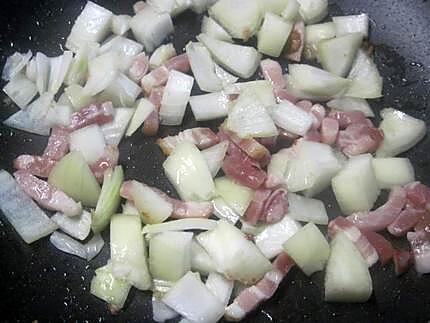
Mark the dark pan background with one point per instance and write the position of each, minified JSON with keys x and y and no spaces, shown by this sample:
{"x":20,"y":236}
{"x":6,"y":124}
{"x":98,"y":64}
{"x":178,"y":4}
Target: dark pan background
{"x":38,"y":282}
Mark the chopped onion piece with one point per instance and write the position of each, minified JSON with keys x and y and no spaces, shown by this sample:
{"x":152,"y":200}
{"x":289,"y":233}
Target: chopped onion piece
{"x":291,"y":10}
{"x":172,"y":7}
{"x":241,"y":18}
{"x":78,"y":69}
{"x":192,"y":299}
{"x":215,"y":30}
{"x":308,"y":248}
{"x":61,"y":116}
{"x":249,"y":118}
{"x":392,"y":172}
{"x":210,"y":106}
{"x":199,"y":6}
{"x":102,"y":71}
{"x":109,"y":199}
{"x":352,"y":24}
{"x":313,"y":11}
{"x":161,"y":55}
{"x":170,"y":255}
{"x":306,"y":209}
{"x":128,"y":251}
{"x":261,"y":88}
{"x":31,"y":70}
{"x":110,"y":289}
{"x":42,"y":76}
{"x":277,"y":168}
{"x":150,"y":27}
{"x":15,"y":64}
{"x":316,"y":33}
{"x":120,"y":24}
{"x":316,"y":81}
{"x":92,"y":25}
{"x":21,"y":91}
{"x":272,"y":237}
{"x":175,"y":98}
{"x":242,"y":61}
{"x":337,"y":54}
{"x":290,"y":117}
{"x":129,"y":208}
{"x":347,"y":277}
{"x":366,"y":81}
{"x":89,"y":141}
{"x":189,"y":173}
{"x":237,"y":196}
{"x":59,"y":68}
{"x":34,"y":118}
{"x":29,"y":221}
{"x":273,"y":34}
{"x":78,"y":97}
{"x":234,"y":256}
{"x":312,"y":169}
{"x":273,"y":6}
{"x":293,"y":90}
{"x":125,"y":48}
{"x":76,"y":226}
{"x":143,"y":110}
{"x":223,"y":211}
{"x":351,"y":104}
{"x":69,"y":245}
{"x":122,"y":92}
{"x":220,"y":287}
{"x":200,"y":260}
{"x":214,"y":156}
{"x":161,"y":312}
{"x":180,"y":225}
{"x":114,"y":131}
{"x":401,"y":132}
{"x":355,"y":186}
{"x":203,"y":68}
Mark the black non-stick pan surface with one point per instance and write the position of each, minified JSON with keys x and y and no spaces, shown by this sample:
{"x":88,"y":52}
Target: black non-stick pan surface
{"x":38,"y":282}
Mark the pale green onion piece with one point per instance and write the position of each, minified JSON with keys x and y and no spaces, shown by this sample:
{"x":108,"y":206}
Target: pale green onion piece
{"x":392,"y":172}
{"x":200,"y":260}
{"x":215,"y":30}
{"x":180,"y":225}
{"x":347,"y":277}
{"x":161,"y":55}
{"x":308,"y":248}
{"x":306,"y":209}
{"x":120,"y":24}
{"x":401,"y":132}
{"x":352,"y":24}
{"x":129,"y":208}
{"x":78,"y":97}
{"x":143,"y":110}
{"x":223,"y":211}
{"x":237,"y":196}
{"x":73,"y":176}
{"x":78,"y":70}
{"x":109,"y":199}
{"x":290,"y":117}
{"x":291,"y":10}
{"x":313,"y":11}
{"x":128,"y":251}
{"x":261,"y":88}
{"x":170,"y":255}
{"x":351,"y":104}
{"x":316,"y":33}
{"x":272,"y":6}
{"x":122,"y":92}
{"x":277,"y":167}
{"x":58,"y":71}
{"x":355,"y":186}
{"x":189,"y":173}
{"x":234,"y":255}
{"x":273,"y":35}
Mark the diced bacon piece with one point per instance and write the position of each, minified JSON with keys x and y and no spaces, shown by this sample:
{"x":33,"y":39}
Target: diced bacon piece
{"x":249,"y":146}
{"x":329,"y":131}
{"x":282,"y":94}
{"x":296,"y":42}
{"x":272,"y":72}
{"x":36,"y":165}
{"x":380,"y":218}
{"x":47,"y":195}
{"x":267,"y":206}
{"x":405,"y":221}
{"x":305,"y":105}
{"x":156,"y":96}
{"x":151,"y":124}
{"x":93,"y":114}
{"x":58,"y":144}
{"x":346,"y":118}
{"x":243,"y":169}
{"x":313,"y":135}
{"x":179,"y":63}
{"x":139,"y":6}
{"x":420,"y":246}
{"x":358,"y":139}
{"x":402,"y":261}
{"x":139,"y":68}
{"x":201,"y":137}
{"x":157,"y":77}
{"x":182,"y":210}
{"x":108,"y":161}
{"x":418,"y":195}
{"x":340,"y":224}
{"x":250,"y":298}
{"x":382,"y":246}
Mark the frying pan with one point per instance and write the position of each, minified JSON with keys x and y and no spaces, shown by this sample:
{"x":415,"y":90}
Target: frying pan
{"x":38,"y":282}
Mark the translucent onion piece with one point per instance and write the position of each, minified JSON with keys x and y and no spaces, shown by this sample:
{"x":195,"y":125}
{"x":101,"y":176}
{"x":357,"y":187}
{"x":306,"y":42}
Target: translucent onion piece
{"x":122,"y":92}
{"x":292,"y":118}
{"x":352,"y":24}
{"x":214,"y":156}
{"x":67,"y":244}
{"x":143,"y":110}
{"x":102,"y":71}
{"x":78,"y":97}
{"x":161,"y":55}
{"x":21,"y":91}
{"x":59,"y":68}
{"x":220,"y":286}
{"x":14,"y":65}
{"x":273,"y":35}
{"x":261,"y":88}
{"x":26,"y":217}
{"x":125,"y":48}
{"x":200,"y":260}
{"x":92,"y":25}
{"x":313,"y":11}
{"x":114,"y":131}
{"x":180,"y":225}
{"x":42,"y":76}
{"x":89,"y":141}
{"x":291,"y":10}
{"x":77,"y":226}
{"x":161,"y":312}
{"x":31,"y":70}
{"x":273,"y":6}
{"x":120,"y":24}
{"x":61,"y":115}
{"x":77,"y":73}
{"x":316,"y":33}
{"x":215,"y":30}
{"x":210,"y":106}
{"x":392,"y":172}
{"x":306,"y":209}
{"x":235,"y":195}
